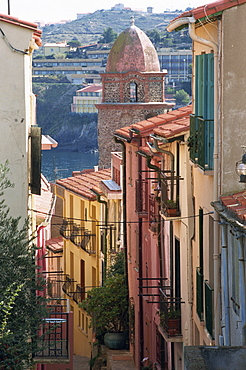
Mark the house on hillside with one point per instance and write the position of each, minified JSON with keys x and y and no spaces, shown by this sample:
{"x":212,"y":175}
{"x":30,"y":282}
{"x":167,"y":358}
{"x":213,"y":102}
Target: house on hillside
{"x":56,"y":48}
{"x":86,"y":98}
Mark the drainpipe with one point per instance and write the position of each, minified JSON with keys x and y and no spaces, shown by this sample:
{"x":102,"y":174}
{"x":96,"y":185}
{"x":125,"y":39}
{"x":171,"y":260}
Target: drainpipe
{"x":191,"y":23}
{"x":225,"y":293}
{"x":106,"y":228}
{"x":242,"y":285}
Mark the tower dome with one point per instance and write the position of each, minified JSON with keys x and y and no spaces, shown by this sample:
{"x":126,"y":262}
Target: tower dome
{"x":133,"y":51}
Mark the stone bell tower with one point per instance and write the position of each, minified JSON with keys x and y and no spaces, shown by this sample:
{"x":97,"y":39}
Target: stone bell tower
{"x":133,"y":88}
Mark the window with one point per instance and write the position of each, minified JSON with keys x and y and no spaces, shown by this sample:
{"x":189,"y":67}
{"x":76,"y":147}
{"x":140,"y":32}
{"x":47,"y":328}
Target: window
{"x":202,"y":122}
{"x":133,"y":92}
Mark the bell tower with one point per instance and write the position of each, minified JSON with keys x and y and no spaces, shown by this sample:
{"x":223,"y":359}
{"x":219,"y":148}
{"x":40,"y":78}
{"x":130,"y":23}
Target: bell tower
{"x":132,"y":88}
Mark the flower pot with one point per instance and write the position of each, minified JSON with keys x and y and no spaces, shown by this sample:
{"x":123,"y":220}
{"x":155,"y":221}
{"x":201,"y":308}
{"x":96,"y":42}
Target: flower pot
{"x":115,"y":340}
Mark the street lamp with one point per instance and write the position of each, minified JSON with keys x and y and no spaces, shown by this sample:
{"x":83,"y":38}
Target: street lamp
{"x":184,"y":68}
{"x":241,"y":169}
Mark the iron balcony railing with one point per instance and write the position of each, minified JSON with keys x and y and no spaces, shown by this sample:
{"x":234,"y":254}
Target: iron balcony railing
{"x":79,"y":295}
{"x":66,"y":228}
{"x":83,"y":238}
{"x":68,"y":286}
{"x":201,"y":141}
{"x":170,"y":314}
{"x":53,"y":340}
{"x":170,"y":194}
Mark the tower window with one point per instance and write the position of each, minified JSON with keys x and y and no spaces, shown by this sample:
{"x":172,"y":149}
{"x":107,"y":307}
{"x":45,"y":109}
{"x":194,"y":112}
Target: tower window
{"x":133,"y":92}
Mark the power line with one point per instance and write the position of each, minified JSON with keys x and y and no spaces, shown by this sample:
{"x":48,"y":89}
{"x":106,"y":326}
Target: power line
{"x":115,"y":222}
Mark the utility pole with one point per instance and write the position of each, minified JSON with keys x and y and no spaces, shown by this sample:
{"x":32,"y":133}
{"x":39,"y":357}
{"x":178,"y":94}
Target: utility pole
{"x":8,"y":7}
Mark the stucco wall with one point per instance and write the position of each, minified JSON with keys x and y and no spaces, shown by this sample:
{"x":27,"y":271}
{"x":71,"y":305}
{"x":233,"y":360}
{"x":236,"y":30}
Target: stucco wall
{"x":233,"y":94}
{"x":15,"y":76}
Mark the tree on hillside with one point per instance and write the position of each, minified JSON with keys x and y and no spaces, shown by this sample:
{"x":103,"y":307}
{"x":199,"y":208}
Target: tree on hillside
{"x":74,"y":43}
{"x":21,"y":310}
{"x":182,"y":97}
{"x":108,"y":36}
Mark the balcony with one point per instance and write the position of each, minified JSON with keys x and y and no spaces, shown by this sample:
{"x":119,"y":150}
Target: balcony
{"x":170,"y":194}
{"x":68,"y":286}
{"x":79,"y":294}
{"x":66,"y":228}
{"x":170,"y":316}
{"x":54,"y":339}
{"x":82,"y":238}
{"x":201,"y":142}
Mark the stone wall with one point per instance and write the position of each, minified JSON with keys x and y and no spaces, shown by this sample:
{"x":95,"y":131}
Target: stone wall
{"x":111,"y":119}
{"x":214,"y":358}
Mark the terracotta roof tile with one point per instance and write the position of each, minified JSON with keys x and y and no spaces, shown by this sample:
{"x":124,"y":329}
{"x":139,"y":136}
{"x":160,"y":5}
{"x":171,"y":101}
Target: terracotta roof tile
{"x":211,"y":9}
{"x":179,"y":120}
{"x":236,"y":203}
{"x":82,"y":184}
{"x":55,"y":244}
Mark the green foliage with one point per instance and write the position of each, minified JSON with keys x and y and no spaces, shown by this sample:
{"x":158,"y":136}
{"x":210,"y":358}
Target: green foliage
{"x":108,"y":36}
{"x":108,"y":305}
{"x":117,"y":268}
{"x":74,"y":43}
{"x":182,"y":98}
{"x":21,"y":310}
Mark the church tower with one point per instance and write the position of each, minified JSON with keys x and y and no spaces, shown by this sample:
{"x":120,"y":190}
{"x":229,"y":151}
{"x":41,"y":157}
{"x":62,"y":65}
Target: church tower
{"x":132,"y":88}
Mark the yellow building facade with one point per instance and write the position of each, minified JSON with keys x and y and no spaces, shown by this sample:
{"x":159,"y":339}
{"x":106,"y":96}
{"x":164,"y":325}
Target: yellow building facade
{"x":83,"y":217}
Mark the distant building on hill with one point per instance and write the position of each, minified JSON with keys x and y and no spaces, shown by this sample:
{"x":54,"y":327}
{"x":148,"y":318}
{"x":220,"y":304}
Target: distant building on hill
{"x":86,"y":98}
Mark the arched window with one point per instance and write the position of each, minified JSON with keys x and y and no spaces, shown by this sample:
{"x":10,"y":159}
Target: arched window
{"x":133,"y":92}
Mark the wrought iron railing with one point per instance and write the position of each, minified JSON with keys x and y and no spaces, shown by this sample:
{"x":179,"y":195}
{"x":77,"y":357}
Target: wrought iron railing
{"x":170,"y":194}
{"x":66,"y":228}
{"x":83,"y":238}
{"x":170,"y":314}
{"x":201,"y":141}
{"x":53,"y":340}
{"x":80,"y":294}
{"x":68,"y":285}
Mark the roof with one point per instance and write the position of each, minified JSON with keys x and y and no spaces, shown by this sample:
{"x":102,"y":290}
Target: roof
{"x":167,"y":125}
{"x":48,"y":142}
{"x":29,"y":25}
{"x":133,"y":51}
{"x":57,"y":44}
{"x":82,"y":184}
{"x":55,"y":245}
{"x":236,"y":204}
{"x":91,"y":88}
{"x":210,"y":9}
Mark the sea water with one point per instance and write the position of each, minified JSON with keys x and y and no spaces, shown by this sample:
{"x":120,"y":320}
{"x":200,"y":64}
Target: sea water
{"x":57,"y":164}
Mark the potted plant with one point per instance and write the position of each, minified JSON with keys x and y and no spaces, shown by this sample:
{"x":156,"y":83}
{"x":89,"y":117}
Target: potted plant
{"x":171,"y":207}
{"x":173,"y":321}
{"x":108,"y":306}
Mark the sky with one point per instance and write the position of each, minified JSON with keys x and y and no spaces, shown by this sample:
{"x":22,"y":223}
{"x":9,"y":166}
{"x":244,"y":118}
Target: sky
{"x":55,"y":10}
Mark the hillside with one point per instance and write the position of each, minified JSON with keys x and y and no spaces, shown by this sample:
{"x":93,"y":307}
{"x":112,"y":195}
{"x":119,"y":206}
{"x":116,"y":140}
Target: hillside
{"x":89,"y":28}
{"x":75,"y":132}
